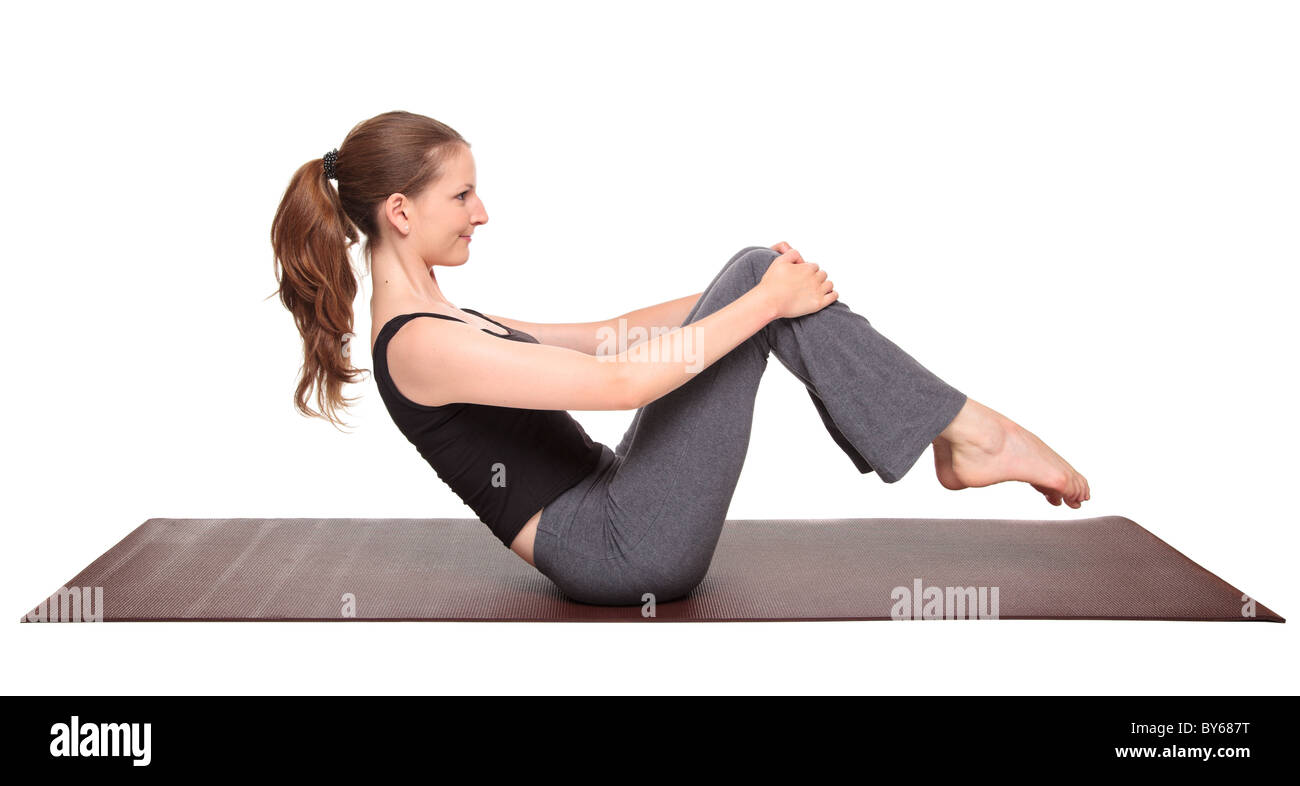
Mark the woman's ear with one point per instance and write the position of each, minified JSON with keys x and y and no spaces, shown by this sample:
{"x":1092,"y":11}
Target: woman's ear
{"x":396,"y":208}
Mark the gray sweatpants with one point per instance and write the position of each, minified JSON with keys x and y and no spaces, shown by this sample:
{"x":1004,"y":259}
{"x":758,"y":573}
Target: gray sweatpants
{"x":647,"y":519}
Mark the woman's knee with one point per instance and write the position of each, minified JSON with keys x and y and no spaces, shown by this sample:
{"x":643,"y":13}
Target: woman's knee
{"x":744,"y":270}
{"x":754,"y":255}
{"x":740,"y":274}
{"x":746,"y":250}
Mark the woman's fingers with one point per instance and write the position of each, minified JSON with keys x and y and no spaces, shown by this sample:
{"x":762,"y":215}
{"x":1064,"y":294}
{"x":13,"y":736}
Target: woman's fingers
{"x":784,"y":247}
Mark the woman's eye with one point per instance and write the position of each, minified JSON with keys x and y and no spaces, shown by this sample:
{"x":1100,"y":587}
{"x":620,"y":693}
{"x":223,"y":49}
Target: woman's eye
{"x":461,"y":195}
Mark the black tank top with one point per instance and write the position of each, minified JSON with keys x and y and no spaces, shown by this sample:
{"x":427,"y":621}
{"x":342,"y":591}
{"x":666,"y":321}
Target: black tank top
{"x":505,"y":463}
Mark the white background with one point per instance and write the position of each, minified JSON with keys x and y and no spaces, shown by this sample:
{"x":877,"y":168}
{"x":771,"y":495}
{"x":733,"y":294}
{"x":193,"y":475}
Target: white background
{"x":1082,"y":215}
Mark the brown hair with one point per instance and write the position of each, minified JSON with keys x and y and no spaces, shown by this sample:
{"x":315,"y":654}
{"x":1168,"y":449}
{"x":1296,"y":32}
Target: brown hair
{"x":316,"y":224}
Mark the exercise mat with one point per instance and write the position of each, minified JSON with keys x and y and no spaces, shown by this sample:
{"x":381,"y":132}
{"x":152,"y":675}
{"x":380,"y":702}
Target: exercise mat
{"x":343,"y":569}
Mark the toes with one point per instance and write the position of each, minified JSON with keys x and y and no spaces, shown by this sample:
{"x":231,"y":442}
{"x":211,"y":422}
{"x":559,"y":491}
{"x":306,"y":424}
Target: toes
{"x":1071,"y":495}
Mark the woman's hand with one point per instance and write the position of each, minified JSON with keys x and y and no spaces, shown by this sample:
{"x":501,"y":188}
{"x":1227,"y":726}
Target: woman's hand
{"x":795,"y":286}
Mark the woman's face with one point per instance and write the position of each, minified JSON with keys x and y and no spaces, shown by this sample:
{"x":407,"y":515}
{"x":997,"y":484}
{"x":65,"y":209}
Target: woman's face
{"x":446,"y":213}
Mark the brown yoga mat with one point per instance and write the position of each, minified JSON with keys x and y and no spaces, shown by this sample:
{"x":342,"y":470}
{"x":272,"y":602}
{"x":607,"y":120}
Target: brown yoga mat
{"x":829,"y":569}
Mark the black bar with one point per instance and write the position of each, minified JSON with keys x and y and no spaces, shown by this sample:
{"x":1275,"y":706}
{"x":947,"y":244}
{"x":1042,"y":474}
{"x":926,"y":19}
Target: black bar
{"x":442,"y":735}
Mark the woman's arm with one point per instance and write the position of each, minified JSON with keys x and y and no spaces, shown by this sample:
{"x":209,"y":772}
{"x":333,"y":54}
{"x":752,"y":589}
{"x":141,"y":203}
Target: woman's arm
{"x":664,"y":316}
{"x":436,"y":362}
{"x":587,"y":337}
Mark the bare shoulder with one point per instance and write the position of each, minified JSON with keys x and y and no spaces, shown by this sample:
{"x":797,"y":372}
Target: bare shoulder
{"x":422,"y":353}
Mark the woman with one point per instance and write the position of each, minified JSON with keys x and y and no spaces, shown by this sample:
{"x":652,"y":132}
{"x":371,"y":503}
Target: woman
{"x":483,"y":397}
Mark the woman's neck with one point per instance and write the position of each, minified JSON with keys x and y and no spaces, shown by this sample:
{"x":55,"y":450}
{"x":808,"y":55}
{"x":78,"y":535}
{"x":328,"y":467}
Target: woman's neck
{"x":404,"y":280}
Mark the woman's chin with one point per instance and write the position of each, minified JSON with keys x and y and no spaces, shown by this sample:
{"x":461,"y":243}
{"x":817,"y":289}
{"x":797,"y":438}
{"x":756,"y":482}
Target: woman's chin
{"x":451,"y":262}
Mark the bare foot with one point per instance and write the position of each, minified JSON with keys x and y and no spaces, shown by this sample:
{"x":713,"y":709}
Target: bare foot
{"x":982,"y":447}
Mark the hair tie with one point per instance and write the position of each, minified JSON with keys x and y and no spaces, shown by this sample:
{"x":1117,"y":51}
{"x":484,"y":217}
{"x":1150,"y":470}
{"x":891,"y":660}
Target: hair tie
{"x":331,"y":164}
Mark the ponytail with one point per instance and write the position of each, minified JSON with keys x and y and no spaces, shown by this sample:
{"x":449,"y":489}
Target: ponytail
{"x":311,"y":236}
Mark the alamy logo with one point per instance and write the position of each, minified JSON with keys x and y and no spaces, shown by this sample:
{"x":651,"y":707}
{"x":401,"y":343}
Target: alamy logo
{"x":102,"y":739}
{"x":71,"y":604}
{"x":920,"y":602}
{"x":680,"y":346}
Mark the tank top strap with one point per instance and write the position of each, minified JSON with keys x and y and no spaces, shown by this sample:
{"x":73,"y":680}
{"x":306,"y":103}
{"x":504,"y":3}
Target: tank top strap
{"x":489,"y":319}
{"x":408,"y":317}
